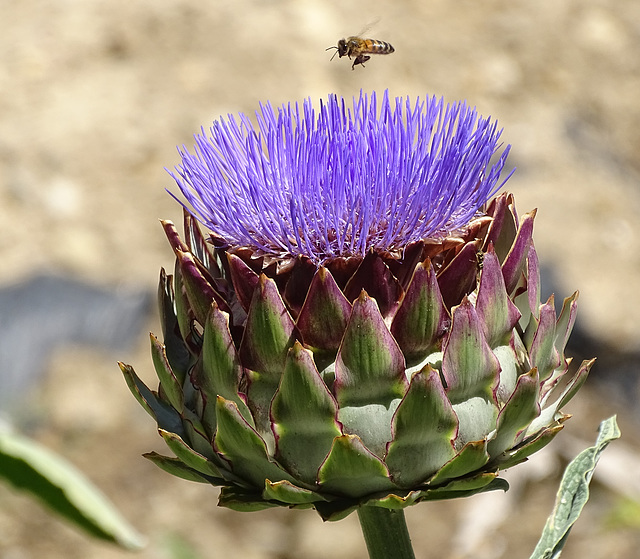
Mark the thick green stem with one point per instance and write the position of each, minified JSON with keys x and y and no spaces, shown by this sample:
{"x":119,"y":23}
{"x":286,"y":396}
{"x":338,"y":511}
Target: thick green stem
{"x":385,"y":532}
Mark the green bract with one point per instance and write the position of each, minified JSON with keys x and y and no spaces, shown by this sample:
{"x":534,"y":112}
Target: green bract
{"x":384,"y":380}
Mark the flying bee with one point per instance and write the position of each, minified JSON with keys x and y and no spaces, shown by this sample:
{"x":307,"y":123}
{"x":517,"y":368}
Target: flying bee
{"x":360,"y":49}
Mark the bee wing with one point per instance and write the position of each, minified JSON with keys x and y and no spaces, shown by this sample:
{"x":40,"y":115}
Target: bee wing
{"x":368,"y":27}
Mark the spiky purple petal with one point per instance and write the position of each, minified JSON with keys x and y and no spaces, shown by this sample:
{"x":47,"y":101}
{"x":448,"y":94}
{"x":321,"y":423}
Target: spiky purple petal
{"x":339,"y":180}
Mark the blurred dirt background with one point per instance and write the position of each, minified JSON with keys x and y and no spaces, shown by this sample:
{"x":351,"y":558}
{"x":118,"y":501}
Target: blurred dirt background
{"x":94,"y":97}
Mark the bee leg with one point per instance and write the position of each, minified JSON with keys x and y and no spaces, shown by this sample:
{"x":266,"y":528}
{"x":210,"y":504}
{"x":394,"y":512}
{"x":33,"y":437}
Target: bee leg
{"x":360,"y":60}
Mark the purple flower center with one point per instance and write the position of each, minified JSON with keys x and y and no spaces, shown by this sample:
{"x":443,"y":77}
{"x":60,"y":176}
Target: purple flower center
{"x":341,"y":180}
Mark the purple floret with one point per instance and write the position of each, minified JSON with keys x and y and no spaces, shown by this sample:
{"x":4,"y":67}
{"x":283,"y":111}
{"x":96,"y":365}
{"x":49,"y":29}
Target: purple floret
{"x":341,"y":180}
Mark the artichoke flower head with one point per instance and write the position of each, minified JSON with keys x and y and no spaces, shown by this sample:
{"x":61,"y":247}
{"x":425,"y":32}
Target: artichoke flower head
{"x":362,"y":321}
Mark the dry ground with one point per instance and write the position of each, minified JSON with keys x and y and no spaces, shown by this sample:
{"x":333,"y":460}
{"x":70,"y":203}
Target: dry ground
{"x":94,"y":97}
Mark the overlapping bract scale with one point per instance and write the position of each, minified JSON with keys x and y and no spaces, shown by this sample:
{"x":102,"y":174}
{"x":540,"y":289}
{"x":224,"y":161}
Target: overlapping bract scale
{"x":383,"y":380}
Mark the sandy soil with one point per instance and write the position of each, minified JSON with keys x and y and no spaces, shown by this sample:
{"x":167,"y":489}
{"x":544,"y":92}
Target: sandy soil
{"x":94,"y":97}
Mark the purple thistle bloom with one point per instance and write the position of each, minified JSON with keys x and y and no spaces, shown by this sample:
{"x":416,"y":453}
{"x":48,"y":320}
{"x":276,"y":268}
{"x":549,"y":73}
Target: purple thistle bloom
{"x":342,"y":181}
{"x":365,"y":328}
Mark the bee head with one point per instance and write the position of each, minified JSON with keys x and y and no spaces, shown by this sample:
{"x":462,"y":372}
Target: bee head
{"x":341,"y":49}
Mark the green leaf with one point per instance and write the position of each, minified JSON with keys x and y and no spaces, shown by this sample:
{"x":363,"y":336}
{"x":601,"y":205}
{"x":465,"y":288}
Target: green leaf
{"x":166,"y":417}
{"x":183,"y":314}
{"x":219,"y":371}
{"x":59,"y":485}
{"x":269,"y":332}
{"x":422,"y":318}
{"x":466,"y":484}
{"x":526,"y":449}
{"x":466,"y":488}
{"x":395,"y":501}
{"x":239,"y":443}
{"x":550,"y":414}
{"x":190,"y":457}
{"x":424,"y":427}
{"x":533,"y":282}
{"x":241,"y":500}
{"x":515,"y":261}
{"x":497,"y":312}
{"x":370,"y":365}
{"x":168,"y":381}
{"x":199,"y":291}
{"x":565,"y":322}
{"x":199,"y":246}
{"x":176,"y":350}
{"x":175,"y":467}
{"x":372,"y":423}
{"x":352,"y":470}
{"x":472,"y":456}
{"x":335,"y":510}
{"x":573,"y":494}
{"x":502,"y":230}
{"x":477,"y":418}
{"x":519,"y":411}
{"x":325,"y":304}
{"x":304,"y":416}
{"x":542,"y":351}
{"x":195,"y":435}
{"x":469,"y":367}
{"x":286,"y":492}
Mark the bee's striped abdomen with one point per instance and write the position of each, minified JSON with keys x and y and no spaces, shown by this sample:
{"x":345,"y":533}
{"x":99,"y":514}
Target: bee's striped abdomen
{"x":374,"y":46}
